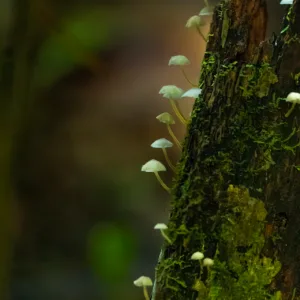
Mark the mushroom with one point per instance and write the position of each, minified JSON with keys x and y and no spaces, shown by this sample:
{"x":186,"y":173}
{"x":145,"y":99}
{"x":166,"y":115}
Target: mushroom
{"x":196,"y":22}
{"x":206,"y":11}
{"x":192,"y":93}
{"x":163,"y":144}
{"x":198,"y":256}
{"x":143,"y":282}
{"x":162,"y":227}
{"x":167,"y":119}
{"x":294,"y":98}
{"x":155,"y":166}
{"x":284,"y":2}
{"x":173,"y":93}
{"x":181,"y":61}
{"x":208,"y":262}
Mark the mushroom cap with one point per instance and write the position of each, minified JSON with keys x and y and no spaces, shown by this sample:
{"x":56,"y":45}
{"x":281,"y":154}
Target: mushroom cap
{"x":193,"y":21}
{"x":143,"y":281}
{"x":162,"y":143}
{"x":161,"y":226}
{"x":206,"y":11}
{"x":166,"y":118}
{"x":179,"y":60}
{"x":171,"y":92}
{"x":192,"y":93}
{"x":208,"y":262}
{"x":197,"y":256}
{"x":283,"y":2}
{"x":152,"y":166}
{"x":293,"y":97}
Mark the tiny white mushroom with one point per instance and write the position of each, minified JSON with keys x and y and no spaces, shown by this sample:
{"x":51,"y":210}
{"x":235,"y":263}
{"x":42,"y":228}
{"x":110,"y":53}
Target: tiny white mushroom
{"x":181,"y":61}
{"x":193,"y":21}
{"x":163,"y":144}
{"x":143,"y":282}
{"x":208,"y":262}
{"x":196,"y":22}
{"x":172,"y":92}
{"x":162,"y":227}
{"x":283,"y":2}
{"x":206,"y":11}
{"x":197,"y":256}
{"x":167,"y":119}
{"x":293,"y":98}
{"x":192,"y":93}
{"x":155,"y":166}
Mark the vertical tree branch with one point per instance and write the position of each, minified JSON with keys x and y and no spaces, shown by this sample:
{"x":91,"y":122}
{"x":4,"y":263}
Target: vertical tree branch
{"x":236,"y":196}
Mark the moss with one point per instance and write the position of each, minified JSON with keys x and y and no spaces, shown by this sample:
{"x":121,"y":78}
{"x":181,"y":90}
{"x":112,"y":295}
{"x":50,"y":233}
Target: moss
{"x":218,"y":205}
{"x":225,"y":27}
{"x":240,"y":271}
{"x":297,"y":78}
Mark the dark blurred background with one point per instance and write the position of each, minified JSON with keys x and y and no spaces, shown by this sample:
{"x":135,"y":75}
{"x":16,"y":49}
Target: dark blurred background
{"x":83,"y":213}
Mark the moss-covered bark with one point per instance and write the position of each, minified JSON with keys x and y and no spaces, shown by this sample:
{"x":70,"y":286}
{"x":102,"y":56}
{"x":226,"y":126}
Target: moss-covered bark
{"x":236,"y":197}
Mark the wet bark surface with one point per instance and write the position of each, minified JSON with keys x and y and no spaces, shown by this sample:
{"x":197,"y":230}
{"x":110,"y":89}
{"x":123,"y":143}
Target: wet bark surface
{"x":236,"y":196}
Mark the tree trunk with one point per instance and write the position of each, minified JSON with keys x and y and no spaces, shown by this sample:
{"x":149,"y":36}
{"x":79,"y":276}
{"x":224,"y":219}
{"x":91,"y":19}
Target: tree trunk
{"x":236,"y":196}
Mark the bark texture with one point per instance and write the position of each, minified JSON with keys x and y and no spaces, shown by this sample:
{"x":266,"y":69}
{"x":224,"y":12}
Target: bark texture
{"x":237,"y":192}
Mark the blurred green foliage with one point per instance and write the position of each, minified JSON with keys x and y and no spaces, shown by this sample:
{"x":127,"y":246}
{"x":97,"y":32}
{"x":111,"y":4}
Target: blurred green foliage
{"x":111,"y":251}
{"x":76,"y":43}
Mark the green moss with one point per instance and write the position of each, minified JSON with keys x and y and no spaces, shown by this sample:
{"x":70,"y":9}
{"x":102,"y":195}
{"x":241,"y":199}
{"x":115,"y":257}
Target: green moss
{"x":297,"y":78}
{"x":240,"y":271}
{"x":257,"y":80}
{"x":225,"y":27}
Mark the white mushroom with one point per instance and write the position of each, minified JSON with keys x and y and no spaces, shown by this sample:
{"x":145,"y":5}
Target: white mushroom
{"x":206,"y":11}
{"x":181,"y":61}
{"x":162,"y":227}
{"x":172,"y":92}
{"x":192,"y":93}
{"x":167,"y":119}
{"x":208,"y":262}
{"x":155,"y":166}
{"x":196,"y":22}
{"x":163,"y":144}
{"x":283,"y":2}
{"x":143,"y":282}
{"x":193,"y":21}
{"x":293,"y":98}
{"x":197,"y":256}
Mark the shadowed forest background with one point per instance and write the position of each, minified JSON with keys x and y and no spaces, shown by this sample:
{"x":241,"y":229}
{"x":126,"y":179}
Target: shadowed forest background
{"x":80,"y":221}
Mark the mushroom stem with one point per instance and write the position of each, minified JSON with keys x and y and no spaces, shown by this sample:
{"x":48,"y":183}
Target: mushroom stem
{"x":161,"y":182}
{"x":145,"y":291}
{"x":290,"y":111}
{"x":185,"y":76}
{"x":201,"y":34}
{"x":173,"y":136}
{"x":165,"y":236}
{"x":201,"y":269}
{"x":178,"y":112}
{"x":168,"y":159}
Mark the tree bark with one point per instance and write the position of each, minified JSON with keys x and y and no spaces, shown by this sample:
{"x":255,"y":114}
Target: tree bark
{"x":236,"y":196}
